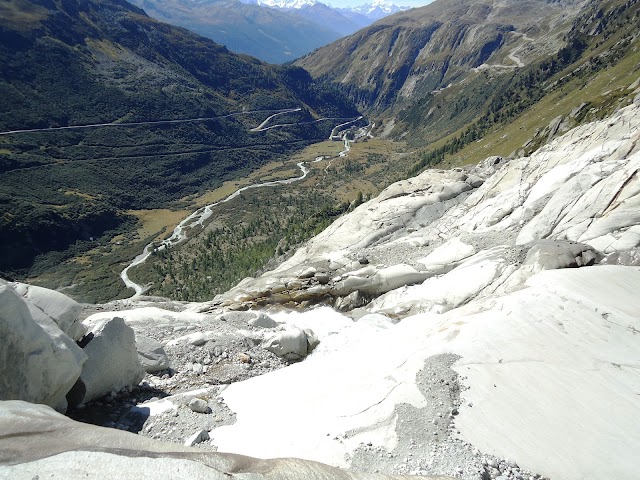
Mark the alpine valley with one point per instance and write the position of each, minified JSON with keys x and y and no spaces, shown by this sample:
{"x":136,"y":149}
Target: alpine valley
{"x":412,"y":252}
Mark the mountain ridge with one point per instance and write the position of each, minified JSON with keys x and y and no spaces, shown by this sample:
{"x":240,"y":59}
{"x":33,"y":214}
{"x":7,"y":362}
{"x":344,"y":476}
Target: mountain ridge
{"x":410,"y":54}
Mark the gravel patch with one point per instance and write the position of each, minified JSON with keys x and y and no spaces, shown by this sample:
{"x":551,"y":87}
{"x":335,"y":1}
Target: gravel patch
{"x":427,"y":437}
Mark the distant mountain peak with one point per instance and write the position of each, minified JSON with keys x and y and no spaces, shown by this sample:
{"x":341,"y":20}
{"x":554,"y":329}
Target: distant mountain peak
{"x":383,"y":6}
{"x":296,"y":4}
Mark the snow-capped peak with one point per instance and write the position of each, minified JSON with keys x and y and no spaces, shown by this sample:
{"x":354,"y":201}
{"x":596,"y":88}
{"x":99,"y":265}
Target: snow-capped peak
{"x":287,"y":3}
{"x":378,"y":6}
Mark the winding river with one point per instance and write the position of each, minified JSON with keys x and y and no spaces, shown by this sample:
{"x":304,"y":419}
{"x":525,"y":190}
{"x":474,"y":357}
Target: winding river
{"x":203,"y":213}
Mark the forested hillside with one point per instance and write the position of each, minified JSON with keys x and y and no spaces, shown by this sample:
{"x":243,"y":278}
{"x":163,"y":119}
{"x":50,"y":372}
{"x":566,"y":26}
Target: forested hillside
{"x":75,"y":62}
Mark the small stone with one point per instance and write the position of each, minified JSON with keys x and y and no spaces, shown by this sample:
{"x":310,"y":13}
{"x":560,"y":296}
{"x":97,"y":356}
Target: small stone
{"x":262,"y":321}
{"x":198,"y":405}
{"x":244,"y":358}
{"x":197,"y":339}
{"x":198,"y":437}
{"x":197,"y":368}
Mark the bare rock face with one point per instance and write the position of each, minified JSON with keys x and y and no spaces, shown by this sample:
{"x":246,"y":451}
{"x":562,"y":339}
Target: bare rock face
{"x":113,"y":359}
{"x":38,"y":362}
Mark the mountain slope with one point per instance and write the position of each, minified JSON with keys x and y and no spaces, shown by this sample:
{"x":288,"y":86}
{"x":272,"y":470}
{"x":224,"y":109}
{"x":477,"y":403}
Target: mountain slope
{"x":410,"y":54}
{"x":66,"y":188}
{"x":273,"y":35}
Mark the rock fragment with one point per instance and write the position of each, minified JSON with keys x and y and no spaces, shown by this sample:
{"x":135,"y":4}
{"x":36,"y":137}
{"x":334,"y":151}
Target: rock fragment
{"x":292,"y":344}
{"x":197,"y":339}
{"x":199,"y":406}
{"x":151,"y":354}
{"x":263,"y":321}
{"x":198,"y":437}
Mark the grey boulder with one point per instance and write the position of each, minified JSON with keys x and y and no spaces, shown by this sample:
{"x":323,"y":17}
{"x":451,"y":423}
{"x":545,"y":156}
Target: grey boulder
{"x":63,"y":310}
{"x":292,"y":344}
{"x":38,"y":362}
{"x":199,"y":406}
{"x":113,"y":359}
{"x":151,"y":354}
{"x":263,"y":321}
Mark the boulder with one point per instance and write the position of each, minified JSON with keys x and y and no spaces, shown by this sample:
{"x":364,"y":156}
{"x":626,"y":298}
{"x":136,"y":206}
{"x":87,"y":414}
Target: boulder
{"x":555,"y":254}
{"x":292,"y":344}
{"x":196,"y":339}
{"x":63,"y":310}
{"x":198,"y":437}
{"x":262,"y":320}
{"x":308,"y":272}
{"x":38,"y":362}
{"x":199,"y":406}
{"x":151,"y":354}
{"x":113,"y":359}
